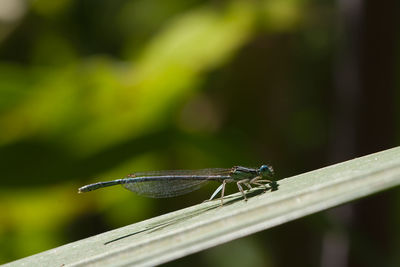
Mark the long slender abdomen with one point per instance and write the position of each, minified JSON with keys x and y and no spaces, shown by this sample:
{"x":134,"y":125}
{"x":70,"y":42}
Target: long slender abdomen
{"x":95,"y":186}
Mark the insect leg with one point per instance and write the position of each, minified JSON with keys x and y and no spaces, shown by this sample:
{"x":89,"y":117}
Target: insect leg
{"x":248,"y":185}
{"x":257,"y":181}
{"x":223,"y":192}
{"x":241,"y":188}
{"x":264,"y":181}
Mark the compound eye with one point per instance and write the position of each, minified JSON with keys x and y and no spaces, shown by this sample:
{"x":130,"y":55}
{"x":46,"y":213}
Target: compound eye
{"x":266,"y":170}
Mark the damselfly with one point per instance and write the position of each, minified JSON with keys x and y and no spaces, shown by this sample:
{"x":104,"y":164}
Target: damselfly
{"x":161,"y":184}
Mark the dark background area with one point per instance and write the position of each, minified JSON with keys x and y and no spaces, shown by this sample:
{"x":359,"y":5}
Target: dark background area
{"x":94,"y":90}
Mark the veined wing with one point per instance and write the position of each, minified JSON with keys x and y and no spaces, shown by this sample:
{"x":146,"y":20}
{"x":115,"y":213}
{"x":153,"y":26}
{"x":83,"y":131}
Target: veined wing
{"x":205,"y":172}
{"x":161,"y":184}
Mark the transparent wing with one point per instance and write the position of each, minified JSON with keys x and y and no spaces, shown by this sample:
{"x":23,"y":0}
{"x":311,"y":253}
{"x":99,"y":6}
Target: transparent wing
{"x":172,"y":183}
{"x":212,"y":171}
{"x":167,"y":188}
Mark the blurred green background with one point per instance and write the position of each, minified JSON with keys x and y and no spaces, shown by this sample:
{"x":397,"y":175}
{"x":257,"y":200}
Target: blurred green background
{"x":92,"y":90}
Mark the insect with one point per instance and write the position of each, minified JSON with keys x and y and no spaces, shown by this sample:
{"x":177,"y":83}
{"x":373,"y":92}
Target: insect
{"x":161,"y":184}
